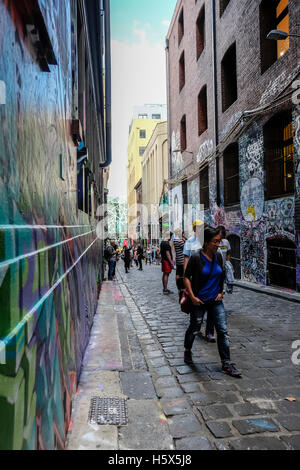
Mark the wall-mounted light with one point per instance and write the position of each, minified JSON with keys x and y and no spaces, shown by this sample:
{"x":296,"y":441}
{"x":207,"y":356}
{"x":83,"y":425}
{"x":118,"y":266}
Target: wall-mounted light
{"x":278,"y":35}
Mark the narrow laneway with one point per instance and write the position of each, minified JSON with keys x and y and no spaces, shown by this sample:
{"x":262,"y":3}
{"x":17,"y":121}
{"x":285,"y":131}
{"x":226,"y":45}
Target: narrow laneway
{"x":136,"y":352}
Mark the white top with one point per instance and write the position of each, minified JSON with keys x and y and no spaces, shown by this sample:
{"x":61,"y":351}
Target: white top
{"x":192,"y":245}
{"x":223,"y":248}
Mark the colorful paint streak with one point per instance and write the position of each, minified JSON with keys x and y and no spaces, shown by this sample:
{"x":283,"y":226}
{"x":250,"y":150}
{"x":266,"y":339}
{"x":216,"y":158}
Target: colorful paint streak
{"x":49,"y":254}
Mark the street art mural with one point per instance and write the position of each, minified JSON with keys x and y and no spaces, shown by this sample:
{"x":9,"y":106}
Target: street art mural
{"x":252,"y":200}
{"x":177,"y":158}
{"x":205,"y":150}
{"x":49,"y":255}
{"x":253,"y":252}
{"x":280,"y":217}
{"x":176,"y":208}
{"x":195,"y":211}
{"x":296,"y":126}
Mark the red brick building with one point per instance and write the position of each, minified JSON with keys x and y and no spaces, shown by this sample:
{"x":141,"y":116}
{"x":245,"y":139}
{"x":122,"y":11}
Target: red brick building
{"x":234,"y":127}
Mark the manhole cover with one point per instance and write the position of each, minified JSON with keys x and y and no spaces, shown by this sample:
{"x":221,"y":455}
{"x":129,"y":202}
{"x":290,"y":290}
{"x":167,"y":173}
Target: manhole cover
{"x":108,"y":411}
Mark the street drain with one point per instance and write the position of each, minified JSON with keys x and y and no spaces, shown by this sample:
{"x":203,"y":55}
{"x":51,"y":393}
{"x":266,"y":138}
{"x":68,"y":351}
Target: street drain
{"x":112,"y":411}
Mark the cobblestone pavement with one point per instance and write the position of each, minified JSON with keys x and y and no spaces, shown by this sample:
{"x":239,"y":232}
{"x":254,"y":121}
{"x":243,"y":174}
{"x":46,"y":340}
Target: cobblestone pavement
{"x":198,"y":407}
{"x":204,"y":407}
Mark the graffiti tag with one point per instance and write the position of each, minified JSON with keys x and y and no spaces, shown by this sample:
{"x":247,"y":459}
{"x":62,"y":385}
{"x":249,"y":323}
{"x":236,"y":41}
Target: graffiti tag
{"x":296,"y":94}
{"x":2,"y":92}
{"x":204,"y":150}
{"x":296,"y":355}
{"x":297,"y":130}
{"x":2,"y":352}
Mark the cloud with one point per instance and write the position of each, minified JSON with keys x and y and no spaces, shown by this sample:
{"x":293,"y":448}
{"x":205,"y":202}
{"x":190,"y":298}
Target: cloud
{"x":138,"y":77}
{"x":166,"y":23}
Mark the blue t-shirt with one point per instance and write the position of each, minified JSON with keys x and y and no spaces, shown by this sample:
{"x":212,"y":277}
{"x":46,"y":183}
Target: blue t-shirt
{"x":211,"y":284}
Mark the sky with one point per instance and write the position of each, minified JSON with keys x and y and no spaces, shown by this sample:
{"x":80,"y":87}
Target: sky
{"x":138,"y":33}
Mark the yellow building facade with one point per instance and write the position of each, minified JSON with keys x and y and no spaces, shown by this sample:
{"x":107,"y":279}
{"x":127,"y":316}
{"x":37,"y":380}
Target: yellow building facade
{"x":140,"y":132}
{"x":154,"y":172}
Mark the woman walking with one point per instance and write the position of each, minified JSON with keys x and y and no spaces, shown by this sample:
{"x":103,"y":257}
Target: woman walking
{"x":204,"y":281}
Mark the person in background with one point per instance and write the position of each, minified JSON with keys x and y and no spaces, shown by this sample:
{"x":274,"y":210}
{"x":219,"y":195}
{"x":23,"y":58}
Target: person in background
{"x":140,"y":254}
{"x":126,"y":258}
{"x":178,"y":243}
{"x":148,"y":255}
{"x":109,"y":255}
{"x":157,"y":256}
{"x":204,"y":281}
{"x":225,"y":250}
{"x":153,"y":253}
{"x":194,"y":242}
{"x":166,"y":263}
{"x":115,"y":257}
{"x":135,"y":257}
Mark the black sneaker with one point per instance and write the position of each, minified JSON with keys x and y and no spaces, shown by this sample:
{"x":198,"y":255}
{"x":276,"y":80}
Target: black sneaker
{"x":188,"y":359}
{"x":230,"y":369}
{"x":166,"y":292}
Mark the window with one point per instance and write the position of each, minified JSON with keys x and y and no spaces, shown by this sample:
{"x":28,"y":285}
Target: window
{"x":204,"y":188}
{"x":29,"y":21}
{"x":229,"y":78}
{"x":156,"y":116}
{"x":223,"y":6}
{"x":200,"y":32}
{"x":180,"y":27}
{"x":281,"y":263}
{"x":142,"y":134}
{"x":141,"y":151}
{"x":231,"y":175}
{"x":202,"y":110}
{"x":235,"y":254}
{"x":279,"y":156}
{"x":143,"y":116}
{"x":183,"y":133}
{"x":181,"y":72}
{"x":273,"y":15}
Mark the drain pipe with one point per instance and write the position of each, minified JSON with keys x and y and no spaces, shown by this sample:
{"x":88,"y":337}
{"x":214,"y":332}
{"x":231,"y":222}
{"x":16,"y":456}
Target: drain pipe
{"x":108,"y":160}
{"x":216,"y":123}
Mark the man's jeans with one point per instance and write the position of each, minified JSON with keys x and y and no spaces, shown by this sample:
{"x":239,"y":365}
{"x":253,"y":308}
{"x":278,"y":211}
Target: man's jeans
{"x":216,"y":311}
{"x":111,"y":265}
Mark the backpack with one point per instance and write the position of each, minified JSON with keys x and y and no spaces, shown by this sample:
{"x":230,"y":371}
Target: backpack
{"x":108,"y":252}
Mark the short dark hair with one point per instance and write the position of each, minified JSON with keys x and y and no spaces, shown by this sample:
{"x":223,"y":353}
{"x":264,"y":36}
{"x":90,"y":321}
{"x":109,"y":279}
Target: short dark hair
{"x":223,"y":230}
{"x":210,"y":233}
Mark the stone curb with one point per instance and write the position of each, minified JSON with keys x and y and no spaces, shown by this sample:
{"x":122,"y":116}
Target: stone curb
{"x":292,"y":297}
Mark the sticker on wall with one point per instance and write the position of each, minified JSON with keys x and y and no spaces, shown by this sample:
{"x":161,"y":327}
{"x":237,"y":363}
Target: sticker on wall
{"x":2,"y":92}
{"x":252,"y":200}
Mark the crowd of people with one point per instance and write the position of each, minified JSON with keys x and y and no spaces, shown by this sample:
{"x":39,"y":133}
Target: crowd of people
{"x":203,"y":267}
{"x":135,"y":254}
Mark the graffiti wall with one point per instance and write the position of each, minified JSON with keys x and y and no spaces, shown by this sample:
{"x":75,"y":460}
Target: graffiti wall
{"x":258,"y":220}
{"x":296,"y":126}
{"x":49,"y":254}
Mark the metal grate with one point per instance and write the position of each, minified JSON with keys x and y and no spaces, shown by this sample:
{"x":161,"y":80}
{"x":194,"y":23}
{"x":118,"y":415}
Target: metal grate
{"x":110,"y":411}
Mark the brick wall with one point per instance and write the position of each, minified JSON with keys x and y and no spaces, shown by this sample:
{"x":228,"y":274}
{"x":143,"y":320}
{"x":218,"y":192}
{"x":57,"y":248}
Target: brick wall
{"x":239,"y":24}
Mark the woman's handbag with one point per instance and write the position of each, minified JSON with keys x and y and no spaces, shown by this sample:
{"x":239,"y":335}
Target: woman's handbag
{"x":186,"y":304}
